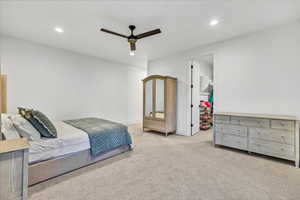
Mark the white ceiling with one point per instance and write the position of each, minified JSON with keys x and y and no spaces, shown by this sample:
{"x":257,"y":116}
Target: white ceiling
{"x":184,"y":24}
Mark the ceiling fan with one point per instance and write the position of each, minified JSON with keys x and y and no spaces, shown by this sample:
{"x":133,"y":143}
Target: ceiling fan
{"x":132,"y":39}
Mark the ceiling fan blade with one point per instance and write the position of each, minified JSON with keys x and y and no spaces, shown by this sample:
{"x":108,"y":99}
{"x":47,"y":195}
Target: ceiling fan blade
{"x":132,"y":46}
{"x":114,"y":33}
{"x":147,"y":34}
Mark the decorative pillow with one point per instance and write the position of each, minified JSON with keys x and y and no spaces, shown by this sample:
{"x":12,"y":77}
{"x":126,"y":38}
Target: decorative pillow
{"x":40,"y":128}
{"x":7,"y":128}
{"x":45,"y":121}
{"x":39,"y":121}
{"x":25,"y":112}
{"x":25,"y":128}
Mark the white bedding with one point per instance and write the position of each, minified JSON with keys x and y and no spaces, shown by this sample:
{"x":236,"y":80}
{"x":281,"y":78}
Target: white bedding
{"x":69,"y":140}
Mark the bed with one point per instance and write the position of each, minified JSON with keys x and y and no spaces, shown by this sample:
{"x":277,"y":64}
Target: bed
{"x":73,"y":147}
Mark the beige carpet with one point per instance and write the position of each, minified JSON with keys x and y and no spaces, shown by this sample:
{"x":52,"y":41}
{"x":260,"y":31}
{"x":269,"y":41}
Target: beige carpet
{"x":176,"y":167}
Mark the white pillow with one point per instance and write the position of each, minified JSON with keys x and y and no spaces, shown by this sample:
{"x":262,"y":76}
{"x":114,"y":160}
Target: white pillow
{"x":24,"y":128}
{"x":7,"y":128}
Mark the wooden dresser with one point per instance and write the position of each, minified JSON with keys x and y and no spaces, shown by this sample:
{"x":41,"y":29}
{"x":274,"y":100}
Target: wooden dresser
{"x":271,"y":135}
{"x":13,"y":169}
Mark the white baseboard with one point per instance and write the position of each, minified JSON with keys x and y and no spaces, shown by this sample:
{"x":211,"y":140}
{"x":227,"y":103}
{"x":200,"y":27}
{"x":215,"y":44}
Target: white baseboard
{"x":178,"y":132}
{"x":134,"y":123}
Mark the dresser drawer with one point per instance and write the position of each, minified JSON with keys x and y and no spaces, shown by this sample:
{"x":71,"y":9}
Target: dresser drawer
{"x":284,"y":137}
{"x":283,"y":124}
{"x":249,"y":121}
{"x":222,"y":119}
{"x":158,"y":125}
{"x":272,"y":149}
{"x":231,"y":140}
{"x":232,"y":129}
{"x":236,"y":120}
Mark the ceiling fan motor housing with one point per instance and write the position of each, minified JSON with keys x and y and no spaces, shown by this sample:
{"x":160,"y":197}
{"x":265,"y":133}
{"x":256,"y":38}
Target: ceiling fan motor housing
{"x":131,"y":27}
{"x":132,"y":42}
{"x":132,"y":39}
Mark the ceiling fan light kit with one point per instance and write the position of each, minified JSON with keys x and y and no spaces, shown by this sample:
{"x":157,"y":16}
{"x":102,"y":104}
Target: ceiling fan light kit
{"x":132,"y":53}
{"x":132,"y":39}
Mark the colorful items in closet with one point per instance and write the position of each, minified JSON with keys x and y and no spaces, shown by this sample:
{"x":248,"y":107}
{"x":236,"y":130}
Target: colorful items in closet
{"x":205,"y":115}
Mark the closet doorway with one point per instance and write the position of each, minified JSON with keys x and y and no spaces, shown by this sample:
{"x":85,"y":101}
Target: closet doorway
{"x":201,"y":93}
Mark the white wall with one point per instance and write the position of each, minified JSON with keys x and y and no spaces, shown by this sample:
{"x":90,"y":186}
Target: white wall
{"x":257,"y":73}
{"x":67,"y":85}
{"x":260,"y":73}
{"x":176,"y":67}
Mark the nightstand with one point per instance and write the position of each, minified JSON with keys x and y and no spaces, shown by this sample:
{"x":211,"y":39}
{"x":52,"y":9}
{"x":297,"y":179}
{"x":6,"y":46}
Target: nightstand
{"x":14,"y":169}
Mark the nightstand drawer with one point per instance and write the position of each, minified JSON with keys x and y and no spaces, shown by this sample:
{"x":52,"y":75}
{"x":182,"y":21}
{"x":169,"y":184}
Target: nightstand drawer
{"x":283,"y":124}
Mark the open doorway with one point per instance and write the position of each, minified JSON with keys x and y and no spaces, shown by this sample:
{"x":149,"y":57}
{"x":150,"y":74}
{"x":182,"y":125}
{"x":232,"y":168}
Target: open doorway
{"x":201,"y":93}
{"x":206,"y":93}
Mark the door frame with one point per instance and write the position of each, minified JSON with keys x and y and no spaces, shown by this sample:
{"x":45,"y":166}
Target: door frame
{"x":190,"y":93}
{"x":192,"y":106}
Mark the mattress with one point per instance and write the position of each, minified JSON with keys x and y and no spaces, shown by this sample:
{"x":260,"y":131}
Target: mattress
{"x":69,"y":140}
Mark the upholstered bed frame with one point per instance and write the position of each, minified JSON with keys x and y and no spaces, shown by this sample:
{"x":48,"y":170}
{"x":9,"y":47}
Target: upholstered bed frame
{"x":45,"y":170}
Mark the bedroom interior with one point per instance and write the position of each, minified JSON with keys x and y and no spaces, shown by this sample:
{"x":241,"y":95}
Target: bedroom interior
{"x":196,"y":104}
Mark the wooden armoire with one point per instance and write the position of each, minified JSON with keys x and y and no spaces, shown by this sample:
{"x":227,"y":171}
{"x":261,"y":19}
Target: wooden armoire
{"x":160,"y":104}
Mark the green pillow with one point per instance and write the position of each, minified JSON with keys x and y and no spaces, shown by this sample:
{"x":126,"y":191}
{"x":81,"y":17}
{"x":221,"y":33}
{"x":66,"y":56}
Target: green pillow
{"x":39,"y":121}
{"x":47,"y":124}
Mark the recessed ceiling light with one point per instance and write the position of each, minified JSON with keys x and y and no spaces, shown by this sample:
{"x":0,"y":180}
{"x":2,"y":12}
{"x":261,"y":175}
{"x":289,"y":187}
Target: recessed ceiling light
{"x":58,"y":29}
{"x":214,"y":22}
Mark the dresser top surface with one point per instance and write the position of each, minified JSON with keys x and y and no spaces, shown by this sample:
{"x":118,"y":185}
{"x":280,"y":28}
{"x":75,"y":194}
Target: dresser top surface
{"x":265,"y":116}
